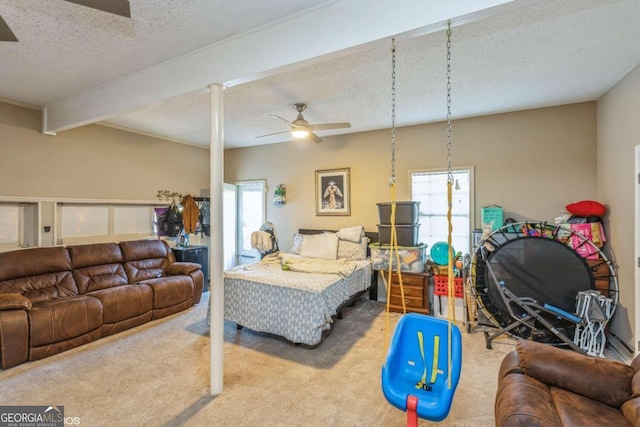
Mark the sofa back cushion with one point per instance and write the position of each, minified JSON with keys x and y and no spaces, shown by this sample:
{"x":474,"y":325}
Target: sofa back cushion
{"x":97,"y":266}
{"x":604,"y":380}
{"x":40,"y":274}
{"x":145,"y":259}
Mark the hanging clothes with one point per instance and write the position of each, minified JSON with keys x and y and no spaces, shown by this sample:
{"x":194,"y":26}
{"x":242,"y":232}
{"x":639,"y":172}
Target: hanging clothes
{"x":190,"y":213}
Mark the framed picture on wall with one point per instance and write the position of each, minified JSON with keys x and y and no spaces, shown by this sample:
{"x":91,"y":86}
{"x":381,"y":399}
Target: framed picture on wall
{"x":333,"y":192}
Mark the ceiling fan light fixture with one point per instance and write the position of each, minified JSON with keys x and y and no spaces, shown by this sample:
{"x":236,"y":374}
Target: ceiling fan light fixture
{"x":300,"y":133}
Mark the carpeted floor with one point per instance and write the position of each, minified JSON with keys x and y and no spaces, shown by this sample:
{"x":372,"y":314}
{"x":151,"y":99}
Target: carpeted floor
{"x":158,"y":375}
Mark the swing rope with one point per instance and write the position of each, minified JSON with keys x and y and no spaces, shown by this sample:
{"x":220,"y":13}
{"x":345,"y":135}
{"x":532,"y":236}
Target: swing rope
{"x":428,"y":398}
{"x":393,"y":250}
{"x":451,"y":314}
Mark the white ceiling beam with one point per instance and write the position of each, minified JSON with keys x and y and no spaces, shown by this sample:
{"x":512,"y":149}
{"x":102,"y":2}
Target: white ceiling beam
{"x":325,"y":30}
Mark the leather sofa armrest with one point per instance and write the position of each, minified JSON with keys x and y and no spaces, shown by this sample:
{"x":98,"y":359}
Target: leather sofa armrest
{"x":631,"y":411}
{"x":510,"y":365}
{"x":603,"y":380}
{"x":182,"y":268}
{"x":631,"y":408}
{"x":14,"y":302}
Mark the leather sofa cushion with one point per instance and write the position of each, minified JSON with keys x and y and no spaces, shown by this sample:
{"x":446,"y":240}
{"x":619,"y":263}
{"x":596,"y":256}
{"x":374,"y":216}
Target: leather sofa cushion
{"x":45,"y":287}
{"x":48,"y":278}
{"x":576,"y":410}
{"x":95,"y":254}
{"x":608,"y":381}
{"x":99,"y":277}
{"x":63,"y":319}
{"x":21,"y":263}
{"x":145,"y":259}
{"x":97,"y":266}
{"x":124,"y":302}
{"x":144,"y":249}
{"x":170,"y":291}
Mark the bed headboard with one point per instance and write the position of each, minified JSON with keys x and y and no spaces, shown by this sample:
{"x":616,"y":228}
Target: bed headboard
{"x":373,"y":236}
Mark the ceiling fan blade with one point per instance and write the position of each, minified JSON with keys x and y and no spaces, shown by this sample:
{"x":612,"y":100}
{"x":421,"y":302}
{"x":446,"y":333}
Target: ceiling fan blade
{"x":280,"y":118}
{"x":6,"y":35}
{"x":329,"y":126}
{"x":271,"y":134}
{"x":117,"y":7}
{"x":315,"y":138}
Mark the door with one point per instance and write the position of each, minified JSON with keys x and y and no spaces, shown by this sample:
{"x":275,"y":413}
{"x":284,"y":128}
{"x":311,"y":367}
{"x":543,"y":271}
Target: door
{"x":251,"y":215}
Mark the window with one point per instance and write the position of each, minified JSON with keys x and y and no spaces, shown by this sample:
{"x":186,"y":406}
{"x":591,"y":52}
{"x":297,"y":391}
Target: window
{"x":430,"y":189}
{"x":10,"y":224}
{"x":84,"y":221}
{"x":17,"y":225}
{"x":251,"y":215}
{"x":93,"y":223}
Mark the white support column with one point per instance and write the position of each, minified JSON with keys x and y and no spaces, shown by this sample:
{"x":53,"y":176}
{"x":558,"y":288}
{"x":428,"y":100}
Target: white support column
{"x":216,"y":254}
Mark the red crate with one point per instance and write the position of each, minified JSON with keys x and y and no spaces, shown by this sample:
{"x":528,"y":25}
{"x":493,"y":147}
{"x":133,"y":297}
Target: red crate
{"x":441,"y":286}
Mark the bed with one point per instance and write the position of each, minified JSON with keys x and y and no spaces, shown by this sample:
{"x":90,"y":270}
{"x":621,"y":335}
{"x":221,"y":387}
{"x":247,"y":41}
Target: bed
{"x":301,"y":303}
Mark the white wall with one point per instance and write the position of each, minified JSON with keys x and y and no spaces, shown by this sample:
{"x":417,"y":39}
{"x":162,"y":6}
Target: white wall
{"x":92,"y":162}
{"x":532,"y":163}
{"x":618,"y":134}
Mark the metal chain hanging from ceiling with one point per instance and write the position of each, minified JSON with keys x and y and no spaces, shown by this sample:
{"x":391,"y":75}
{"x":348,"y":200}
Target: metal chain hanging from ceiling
{"x":392,"y":180}
{"x":450,"y":174}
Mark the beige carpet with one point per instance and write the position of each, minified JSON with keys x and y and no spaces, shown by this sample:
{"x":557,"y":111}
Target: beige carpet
{"x":158,"y":375}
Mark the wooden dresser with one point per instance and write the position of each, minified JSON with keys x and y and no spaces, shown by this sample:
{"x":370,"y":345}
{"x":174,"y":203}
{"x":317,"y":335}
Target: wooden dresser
{"x":416,"y":293}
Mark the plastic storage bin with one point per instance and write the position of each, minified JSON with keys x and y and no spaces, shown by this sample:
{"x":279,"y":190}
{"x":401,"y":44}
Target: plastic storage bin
{"x":407,"y":234}
{"x":441,"y":286}
{"x":412,"y":258}
{"x":406,"y":212}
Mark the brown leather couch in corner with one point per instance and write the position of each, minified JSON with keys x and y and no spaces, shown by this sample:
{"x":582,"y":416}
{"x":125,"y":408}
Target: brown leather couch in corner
{"x":53,"y":299}
{"x":540,"y":385}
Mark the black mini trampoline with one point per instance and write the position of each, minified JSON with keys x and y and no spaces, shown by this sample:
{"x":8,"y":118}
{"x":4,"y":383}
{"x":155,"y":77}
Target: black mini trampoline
{"x":536,"y":261}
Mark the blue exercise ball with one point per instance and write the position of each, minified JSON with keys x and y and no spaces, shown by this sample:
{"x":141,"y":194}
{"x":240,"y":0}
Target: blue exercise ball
{"x":440,"y":253}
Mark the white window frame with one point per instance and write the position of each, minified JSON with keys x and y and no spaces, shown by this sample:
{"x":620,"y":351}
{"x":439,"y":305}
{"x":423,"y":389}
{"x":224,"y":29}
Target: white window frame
{"x":249,"y":255}
{"x":471,"y":214}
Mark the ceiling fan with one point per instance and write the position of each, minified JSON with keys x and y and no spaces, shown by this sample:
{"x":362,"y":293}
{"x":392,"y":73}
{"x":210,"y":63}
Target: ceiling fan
{"x":300,"y":128}
{"x":117,"y":7}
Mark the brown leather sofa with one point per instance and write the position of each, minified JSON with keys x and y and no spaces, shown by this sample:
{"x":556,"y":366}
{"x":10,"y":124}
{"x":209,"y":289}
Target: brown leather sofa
{"x":56,"y":298}
{"x":541,"y":385}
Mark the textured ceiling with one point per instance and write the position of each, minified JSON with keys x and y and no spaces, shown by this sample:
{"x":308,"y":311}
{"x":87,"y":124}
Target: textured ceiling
{"x":548,"y":53}
{"x":66,"y":48}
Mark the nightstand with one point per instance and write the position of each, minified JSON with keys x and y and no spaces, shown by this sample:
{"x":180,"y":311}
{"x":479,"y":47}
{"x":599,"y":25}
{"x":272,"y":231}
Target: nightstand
{"x":416,"y":293}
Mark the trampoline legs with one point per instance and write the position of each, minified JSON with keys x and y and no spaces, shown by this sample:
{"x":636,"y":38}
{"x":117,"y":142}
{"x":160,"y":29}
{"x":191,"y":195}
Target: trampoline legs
{"x":412,"y":415}
{"x":488,"y":339}
{"x":523,"y":321}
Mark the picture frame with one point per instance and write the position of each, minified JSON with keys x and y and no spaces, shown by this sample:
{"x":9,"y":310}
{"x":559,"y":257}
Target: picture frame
{"x":333,"y":192}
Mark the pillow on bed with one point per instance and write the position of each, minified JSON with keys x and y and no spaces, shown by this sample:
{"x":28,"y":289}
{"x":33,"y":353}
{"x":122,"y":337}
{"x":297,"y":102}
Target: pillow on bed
{"x":297,"y":244}
{"x":323,"y":246}
{"x":353,"y":251}
{"x":350,"y":234}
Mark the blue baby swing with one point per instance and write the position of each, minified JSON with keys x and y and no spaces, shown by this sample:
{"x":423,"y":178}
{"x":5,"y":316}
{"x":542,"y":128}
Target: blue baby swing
{"x":424,"y":358}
